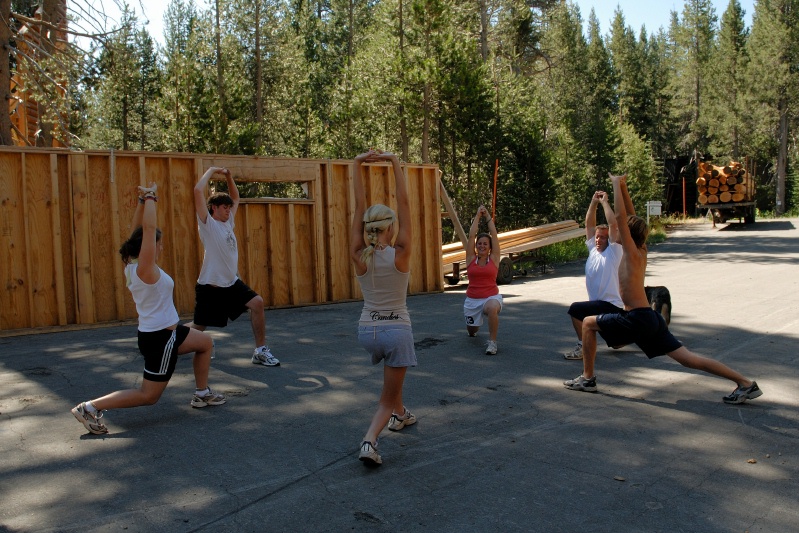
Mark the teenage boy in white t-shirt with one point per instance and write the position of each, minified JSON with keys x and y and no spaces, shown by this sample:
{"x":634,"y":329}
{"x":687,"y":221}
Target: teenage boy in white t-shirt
{"x":220,"y":294}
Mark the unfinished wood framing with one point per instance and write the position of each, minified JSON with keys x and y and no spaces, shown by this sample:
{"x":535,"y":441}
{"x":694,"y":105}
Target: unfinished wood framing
{"x":64,"y":215}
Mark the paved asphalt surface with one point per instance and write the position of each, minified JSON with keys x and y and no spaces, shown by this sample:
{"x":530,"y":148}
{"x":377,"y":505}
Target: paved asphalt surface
{"x":500,"y":445}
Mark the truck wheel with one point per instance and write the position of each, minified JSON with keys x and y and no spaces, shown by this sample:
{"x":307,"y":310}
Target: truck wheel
{"x":749,"y":217}
{"x":505,"y":271}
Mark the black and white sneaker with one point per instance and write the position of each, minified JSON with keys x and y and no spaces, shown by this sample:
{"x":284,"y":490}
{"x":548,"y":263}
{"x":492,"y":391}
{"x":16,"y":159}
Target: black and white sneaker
{"x":741,"y":394}
{"x":397,"y":422}
{"x":581,"y":384}
{"x":369,"y":454}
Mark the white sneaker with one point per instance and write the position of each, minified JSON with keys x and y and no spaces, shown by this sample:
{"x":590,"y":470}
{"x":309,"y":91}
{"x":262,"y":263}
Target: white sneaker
{"x":491,"y":348}
{"x":397,"y":422}
{"x":262,"y":356}
{"x":576,"y":354}
{"x":369,"y":454}
{"x":212,"y":398}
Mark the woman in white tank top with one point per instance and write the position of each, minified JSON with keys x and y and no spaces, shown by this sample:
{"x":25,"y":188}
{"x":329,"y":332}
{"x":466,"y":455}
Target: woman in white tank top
{"x":161,"y":339}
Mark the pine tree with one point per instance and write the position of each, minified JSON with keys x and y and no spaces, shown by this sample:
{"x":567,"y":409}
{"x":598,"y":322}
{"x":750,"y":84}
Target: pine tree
{"x":600,"y":136}
{"x":661,"y":130}
{"x":694,"y":37}
{"x":567,"y":90}
{"x":773,"y":85}
{"x":726,"y":90}
{"x":118,"y":91}
{"x":635,"y":102}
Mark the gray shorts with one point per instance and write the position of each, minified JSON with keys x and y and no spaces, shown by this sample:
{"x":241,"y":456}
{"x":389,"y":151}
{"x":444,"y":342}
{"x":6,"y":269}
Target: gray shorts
{"x":391,"y":343}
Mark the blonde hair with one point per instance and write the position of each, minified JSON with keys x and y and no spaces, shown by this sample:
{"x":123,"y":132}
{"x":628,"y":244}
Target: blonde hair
{"x":376,"y":220}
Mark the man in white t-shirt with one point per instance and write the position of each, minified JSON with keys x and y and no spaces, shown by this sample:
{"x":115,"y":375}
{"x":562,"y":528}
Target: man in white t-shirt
{"x":220,"y":294}
{"x":601,"y":270}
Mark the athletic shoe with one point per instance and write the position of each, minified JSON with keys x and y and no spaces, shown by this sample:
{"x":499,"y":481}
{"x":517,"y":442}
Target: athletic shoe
{"x":262,"y":356}
{"x":89,"y":420}
{"x":576,"y":354}
{"x":395,"y":423}
{"x":581,"y":384}
{"x":369,"y":454}
{"x":741,"y":394}
{"x":211,"y":398}
{"x":491,"y":348}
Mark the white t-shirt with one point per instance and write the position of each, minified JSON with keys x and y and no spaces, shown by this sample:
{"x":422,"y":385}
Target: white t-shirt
{"x":602,"y":272}
{"x":221,"y":259}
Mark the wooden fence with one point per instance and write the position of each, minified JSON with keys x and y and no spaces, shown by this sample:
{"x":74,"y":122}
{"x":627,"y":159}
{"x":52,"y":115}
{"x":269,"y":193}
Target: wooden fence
{"x":64,"y":215}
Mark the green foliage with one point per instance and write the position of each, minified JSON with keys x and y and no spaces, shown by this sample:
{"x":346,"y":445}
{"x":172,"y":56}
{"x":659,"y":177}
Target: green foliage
{"x":694,"y":39}
{"x":461,"y":84}
{"x":565,"y":251}
{"x":726,"y":111}
{"x":634,"y":157}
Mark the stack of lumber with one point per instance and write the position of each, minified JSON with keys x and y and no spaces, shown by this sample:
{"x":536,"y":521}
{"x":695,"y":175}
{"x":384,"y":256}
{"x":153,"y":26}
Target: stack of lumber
{"x":518,"y":241}
{"x":727,"y":184}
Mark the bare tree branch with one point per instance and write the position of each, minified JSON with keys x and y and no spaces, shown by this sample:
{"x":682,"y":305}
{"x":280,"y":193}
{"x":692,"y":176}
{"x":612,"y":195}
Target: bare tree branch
{"x":51,"y":26}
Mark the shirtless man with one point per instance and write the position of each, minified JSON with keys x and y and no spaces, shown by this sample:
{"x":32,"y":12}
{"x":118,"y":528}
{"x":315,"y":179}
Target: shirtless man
{"x":638,"y":323}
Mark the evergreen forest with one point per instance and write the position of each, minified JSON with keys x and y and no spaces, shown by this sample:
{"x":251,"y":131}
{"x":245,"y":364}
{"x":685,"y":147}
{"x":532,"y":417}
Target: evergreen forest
{"x":538,"y":86}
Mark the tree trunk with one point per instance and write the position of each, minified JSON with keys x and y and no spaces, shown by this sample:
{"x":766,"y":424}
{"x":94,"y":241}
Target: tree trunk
{"x":348,"y":95}
{"x":259,"y":87}
{"x":426,"y":124}
{"x":125,"y":132}
{"x":45,"y":137}
{"x":220,"y":86}
{"x":49,"y":14}
{"x":403,"y":120}
{"x":5,"y":74}
{"x":483,"y":30}
{"x":782,"y":157}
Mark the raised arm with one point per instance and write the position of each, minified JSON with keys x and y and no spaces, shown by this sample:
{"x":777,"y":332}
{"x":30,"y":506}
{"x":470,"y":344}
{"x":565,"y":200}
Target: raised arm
{"x":628,"y":203}
{"x":404,"y":240}
{"x":200,"y":205}
{"x":147,"y":269}
{"x":590,"y":217}
{"x":357,"y":243}
{"x":470,"y":241}
{"x":619,"y":202}
{"x":610,"y":216}
{"x":233,"y":191}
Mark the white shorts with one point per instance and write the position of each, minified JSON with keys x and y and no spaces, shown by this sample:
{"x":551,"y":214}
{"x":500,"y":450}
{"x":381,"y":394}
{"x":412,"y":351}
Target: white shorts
{"x":473,"y":309}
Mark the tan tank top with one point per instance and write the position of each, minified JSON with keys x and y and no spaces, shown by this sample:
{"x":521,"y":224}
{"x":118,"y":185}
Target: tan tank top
{"x":384,"y":291}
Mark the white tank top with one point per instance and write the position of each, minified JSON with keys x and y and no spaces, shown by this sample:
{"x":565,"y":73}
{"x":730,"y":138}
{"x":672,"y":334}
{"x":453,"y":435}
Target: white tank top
{"x":154,"y":302}
{"x":384,"y":291}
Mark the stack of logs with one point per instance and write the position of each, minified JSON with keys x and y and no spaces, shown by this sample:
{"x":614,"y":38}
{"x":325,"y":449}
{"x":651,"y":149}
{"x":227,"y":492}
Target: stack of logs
{"x":730,"y":183}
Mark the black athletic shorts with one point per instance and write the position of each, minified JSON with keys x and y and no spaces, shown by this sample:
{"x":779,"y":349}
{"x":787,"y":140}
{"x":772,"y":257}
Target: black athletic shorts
{"x":160,"y":351}
{"x":580,"y":310}
{"x":215,"y":305}
{"x":641,"y":326}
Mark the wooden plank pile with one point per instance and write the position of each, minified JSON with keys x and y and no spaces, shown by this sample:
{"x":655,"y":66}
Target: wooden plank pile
{"x":517,"y":241}
{"x":724,"y":184}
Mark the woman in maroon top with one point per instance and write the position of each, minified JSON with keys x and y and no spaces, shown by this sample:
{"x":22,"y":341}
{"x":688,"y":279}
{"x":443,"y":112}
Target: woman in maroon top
{"x":482,"y":266}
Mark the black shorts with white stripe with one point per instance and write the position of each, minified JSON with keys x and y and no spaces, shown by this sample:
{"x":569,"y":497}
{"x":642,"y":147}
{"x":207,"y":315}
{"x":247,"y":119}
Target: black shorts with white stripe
{"x":160,"y":351}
